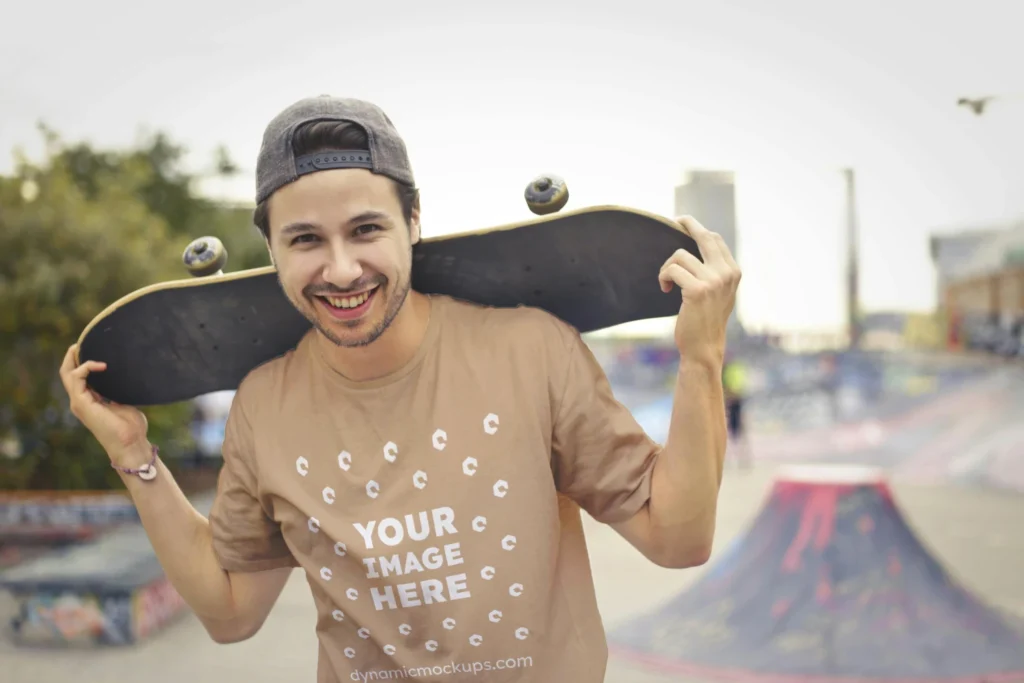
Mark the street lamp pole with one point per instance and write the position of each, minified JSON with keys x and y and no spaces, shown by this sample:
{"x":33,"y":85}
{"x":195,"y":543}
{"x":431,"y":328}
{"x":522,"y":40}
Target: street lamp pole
{"x":853,"y":321}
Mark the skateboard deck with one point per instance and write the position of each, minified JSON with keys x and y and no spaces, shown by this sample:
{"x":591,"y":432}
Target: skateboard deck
{"x":593,"y":267}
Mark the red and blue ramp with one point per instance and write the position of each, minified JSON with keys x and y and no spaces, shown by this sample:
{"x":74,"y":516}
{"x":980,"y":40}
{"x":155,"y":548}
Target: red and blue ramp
{"x":829,"y":584}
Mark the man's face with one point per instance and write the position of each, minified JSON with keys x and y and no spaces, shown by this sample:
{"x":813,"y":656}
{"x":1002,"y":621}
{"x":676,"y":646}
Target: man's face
{"x":343,"y":252}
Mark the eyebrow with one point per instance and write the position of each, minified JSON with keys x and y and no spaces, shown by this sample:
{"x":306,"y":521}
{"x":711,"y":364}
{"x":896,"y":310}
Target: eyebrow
{"x":295,"y":228}
{"x":368,"y":216}
{"x":303,"y":226}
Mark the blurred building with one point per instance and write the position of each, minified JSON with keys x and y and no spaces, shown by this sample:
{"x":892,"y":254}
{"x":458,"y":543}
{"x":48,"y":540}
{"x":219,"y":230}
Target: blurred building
{"x":710,"y":197}
{"x":980,"y":283}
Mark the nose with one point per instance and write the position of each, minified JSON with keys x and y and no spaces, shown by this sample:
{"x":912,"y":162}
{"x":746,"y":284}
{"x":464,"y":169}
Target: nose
{"x":342,"y":268}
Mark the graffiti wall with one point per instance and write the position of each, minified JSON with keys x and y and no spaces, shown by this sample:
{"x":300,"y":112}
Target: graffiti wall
{"x":108,"y":591}
{"x":154,"y":606}
{"x":75,"y":617}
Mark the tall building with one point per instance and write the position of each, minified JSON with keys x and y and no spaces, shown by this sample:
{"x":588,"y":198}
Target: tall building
{"x":710,"y":197}
{"x":951,"y":252}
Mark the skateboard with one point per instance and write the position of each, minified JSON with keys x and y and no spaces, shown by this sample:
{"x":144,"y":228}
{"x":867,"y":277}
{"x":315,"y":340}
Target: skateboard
{"x":594,"y":267}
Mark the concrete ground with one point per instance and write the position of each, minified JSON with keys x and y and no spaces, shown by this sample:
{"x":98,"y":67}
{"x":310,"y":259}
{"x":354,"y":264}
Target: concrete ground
{"x":976,"y":533}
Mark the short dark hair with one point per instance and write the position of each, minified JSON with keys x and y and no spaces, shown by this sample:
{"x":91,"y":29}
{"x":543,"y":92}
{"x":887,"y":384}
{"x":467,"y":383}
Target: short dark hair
{"x":322,"y":135}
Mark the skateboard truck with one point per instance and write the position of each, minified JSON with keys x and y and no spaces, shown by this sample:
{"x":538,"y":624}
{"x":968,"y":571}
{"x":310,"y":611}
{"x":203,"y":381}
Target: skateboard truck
{"x":546,"y":194}
{"x":205,"y":256}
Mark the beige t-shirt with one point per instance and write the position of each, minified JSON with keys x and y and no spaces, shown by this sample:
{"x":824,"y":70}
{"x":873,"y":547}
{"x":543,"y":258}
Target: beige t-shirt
{"x":436,"y":512}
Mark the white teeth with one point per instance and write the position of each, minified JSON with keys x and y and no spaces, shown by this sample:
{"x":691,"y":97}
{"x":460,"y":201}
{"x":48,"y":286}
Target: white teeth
{"x":348,"y":302}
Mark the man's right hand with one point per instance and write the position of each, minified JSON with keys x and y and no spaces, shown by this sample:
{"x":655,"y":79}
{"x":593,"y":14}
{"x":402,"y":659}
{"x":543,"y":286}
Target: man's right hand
{"x":120,"y":429}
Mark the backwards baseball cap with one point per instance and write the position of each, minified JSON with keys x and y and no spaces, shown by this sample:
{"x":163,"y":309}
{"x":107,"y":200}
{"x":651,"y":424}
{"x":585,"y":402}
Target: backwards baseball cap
{"x":277,"y":164}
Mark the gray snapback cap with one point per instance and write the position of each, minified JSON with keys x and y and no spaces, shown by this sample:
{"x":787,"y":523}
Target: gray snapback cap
{"x":277,"y":164}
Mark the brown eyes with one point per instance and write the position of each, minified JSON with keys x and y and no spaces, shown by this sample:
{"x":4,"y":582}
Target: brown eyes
{"x":361,"y":231}
{"x":367,"y":228}
{"x":303,"y":238}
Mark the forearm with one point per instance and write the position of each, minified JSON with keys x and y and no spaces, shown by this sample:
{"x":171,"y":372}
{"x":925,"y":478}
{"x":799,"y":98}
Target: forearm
{"x":182,"y":541}
{"x":688,"y":473}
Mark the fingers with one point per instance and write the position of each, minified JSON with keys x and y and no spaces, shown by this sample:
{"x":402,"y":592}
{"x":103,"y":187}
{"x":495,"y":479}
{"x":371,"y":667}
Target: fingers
{"x":74,"y":378}
{"x":716,"y":253}
{"x":673,"y":273}
{"x":688,"y":261}
{"x":68,"y":364}
{"x":67,"y":367}
{"x":705,"y":239}
{"x":726,"y":253}
{"x":701,"y":275}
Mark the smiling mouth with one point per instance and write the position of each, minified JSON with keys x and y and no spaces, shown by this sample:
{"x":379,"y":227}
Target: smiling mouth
{"x":349,"y":301}
{"x":348,"y":306}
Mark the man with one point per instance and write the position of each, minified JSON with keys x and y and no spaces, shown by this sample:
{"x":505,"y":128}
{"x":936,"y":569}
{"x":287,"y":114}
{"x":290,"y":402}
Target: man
{"x":424,"y":460}
{"x":734,"y":383}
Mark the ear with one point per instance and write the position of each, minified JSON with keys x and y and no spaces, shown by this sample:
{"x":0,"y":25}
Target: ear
{"x":270,"y":252}
{"x":414,"y":225}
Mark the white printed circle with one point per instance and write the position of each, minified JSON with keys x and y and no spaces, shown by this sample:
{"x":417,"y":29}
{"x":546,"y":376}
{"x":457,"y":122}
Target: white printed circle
{"x":390,"y":451}
{"x":419,"y":480}
{"x":495,"y":616}
{"x":325,"y":573}
{"x":431,"y":645}
{"x":515,"y":590}
{"x":350,"y":653}
{"x":475,"y":640}
{"x":509,"y":542}
{"x":491,"y":423}
{"x":338,"y":615}
{"x":501,"y":488}
{"x":448,"y":623}
{"x":479,"y":523}
{"x":405,"y":629}
{"x":372,"y":489}
{"x":328,"y":495}
{"x":363,"y":633}
{"x":314,"y":525}
{"x":487,"y":573}
{"x":345,"y":460}
{"x":389,"y":649}
{"x":521,"y":633}
{"x":340,"y":549}
{"x":469,"y":466}
{"x":352,"y":594}
{"x":440,"y":439}
{"x":302,"y":466}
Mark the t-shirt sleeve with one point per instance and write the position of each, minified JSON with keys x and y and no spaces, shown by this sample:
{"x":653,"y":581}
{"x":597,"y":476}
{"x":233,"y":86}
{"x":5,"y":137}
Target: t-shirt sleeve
{"x":602,"y":457}
{"x":245,"y":537}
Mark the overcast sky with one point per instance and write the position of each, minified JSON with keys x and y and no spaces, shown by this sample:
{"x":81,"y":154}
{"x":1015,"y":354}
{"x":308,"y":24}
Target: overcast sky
{"x":619,"y":98}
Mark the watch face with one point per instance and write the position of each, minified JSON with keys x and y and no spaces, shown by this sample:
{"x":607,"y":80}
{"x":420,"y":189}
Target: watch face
{"x":147,"y":472}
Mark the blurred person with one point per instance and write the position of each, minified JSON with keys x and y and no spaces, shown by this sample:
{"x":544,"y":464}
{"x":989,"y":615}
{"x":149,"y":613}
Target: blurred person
{"x":734,"y":385}
{"x":422,"y":459}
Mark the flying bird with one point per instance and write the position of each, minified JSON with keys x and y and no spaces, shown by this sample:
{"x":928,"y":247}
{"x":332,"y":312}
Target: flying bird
{"x":976,"y":105}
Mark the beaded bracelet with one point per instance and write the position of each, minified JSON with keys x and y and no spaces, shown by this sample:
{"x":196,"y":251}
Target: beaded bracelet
{"x":147,"y":472}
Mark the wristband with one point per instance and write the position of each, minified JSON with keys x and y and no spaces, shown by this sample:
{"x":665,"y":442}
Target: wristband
{"x":147,"y":472}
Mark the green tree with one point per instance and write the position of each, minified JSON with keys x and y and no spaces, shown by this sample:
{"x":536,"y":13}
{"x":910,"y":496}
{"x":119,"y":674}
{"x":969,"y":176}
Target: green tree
{"x":169,"y":192}
{"x":79,"y":230}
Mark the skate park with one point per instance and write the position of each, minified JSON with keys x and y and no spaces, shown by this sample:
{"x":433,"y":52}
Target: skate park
{"x":860,"y":559}
{"x":870,"y":525}
{"x":870,"y":537}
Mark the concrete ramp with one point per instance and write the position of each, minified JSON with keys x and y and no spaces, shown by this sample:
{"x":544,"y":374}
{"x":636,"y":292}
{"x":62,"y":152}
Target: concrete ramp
{"x":828,"y":584}
{"x":110,"y":591}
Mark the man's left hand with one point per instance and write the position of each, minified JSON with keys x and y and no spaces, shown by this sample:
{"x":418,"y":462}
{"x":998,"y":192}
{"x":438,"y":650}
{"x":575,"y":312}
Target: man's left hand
{"x":708,"y":289}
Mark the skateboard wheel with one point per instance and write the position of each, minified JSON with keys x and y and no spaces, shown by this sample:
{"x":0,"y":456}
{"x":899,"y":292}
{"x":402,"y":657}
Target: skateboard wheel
{"x":546,"y":194}
{"x":205,"y":256}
